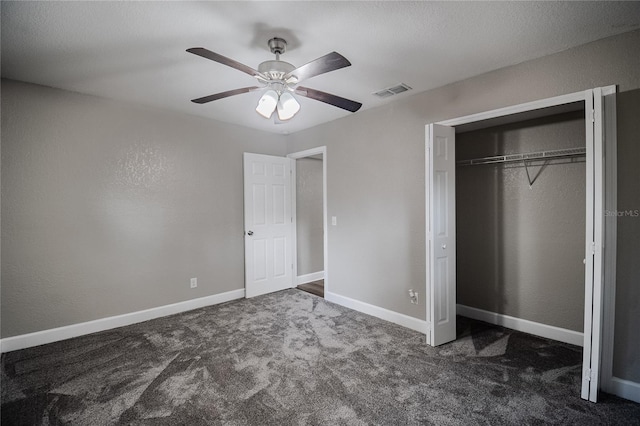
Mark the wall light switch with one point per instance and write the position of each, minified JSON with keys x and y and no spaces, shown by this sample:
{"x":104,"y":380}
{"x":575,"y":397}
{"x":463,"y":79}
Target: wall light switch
{"x":334,"y":220}
{"x":194,"y":282}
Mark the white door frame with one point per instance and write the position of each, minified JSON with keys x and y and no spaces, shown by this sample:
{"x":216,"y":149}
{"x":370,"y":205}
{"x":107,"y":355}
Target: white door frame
{"x":295,"y":156}
{"x":608,"y":200}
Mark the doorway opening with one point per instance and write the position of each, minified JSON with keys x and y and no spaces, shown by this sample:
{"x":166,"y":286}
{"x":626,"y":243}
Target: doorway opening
{"x":309,"y":220}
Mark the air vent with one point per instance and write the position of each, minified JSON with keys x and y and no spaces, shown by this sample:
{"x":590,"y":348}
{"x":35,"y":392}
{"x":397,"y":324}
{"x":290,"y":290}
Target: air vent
{"x":390,"y":91}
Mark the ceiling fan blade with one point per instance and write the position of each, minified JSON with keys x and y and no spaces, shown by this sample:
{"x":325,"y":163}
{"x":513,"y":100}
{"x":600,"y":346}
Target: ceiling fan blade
{"x":328,"y":98}
{"x":226,"y":94}
{"x":201,"y":51}
{"x":329,"y":62}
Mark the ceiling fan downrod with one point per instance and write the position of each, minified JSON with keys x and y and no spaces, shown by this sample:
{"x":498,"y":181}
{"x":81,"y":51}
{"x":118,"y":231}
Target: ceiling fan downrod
{"x":277,"y":46}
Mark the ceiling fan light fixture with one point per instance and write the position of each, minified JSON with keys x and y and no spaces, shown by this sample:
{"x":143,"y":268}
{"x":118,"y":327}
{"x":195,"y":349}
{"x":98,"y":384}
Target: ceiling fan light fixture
{"x":288,"y":106}
{"x":267,"y":103}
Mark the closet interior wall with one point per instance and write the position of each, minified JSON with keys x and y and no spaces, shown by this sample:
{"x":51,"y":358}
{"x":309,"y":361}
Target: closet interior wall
{"x":520,"y":248}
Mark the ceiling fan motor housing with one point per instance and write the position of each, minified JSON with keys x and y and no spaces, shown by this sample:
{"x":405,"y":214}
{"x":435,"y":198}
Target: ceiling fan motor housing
{"x":275,"y":70}
{"x":277,"y":45}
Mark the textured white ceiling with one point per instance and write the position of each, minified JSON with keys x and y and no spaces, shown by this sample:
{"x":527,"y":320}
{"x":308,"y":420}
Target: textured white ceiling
{"x":135,"y":51}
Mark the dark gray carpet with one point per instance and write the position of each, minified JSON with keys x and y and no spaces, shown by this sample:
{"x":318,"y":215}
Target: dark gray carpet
{"x":291,"y":358}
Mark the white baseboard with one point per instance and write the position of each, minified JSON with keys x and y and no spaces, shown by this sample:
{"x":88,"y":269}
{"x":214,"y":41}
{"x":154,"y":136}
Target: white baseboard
{"x":526,"y":326}
{"x":307,"y":278}
{"x":625,"y":389}
{"x":376,"y":311}
{"x":62,"y":333}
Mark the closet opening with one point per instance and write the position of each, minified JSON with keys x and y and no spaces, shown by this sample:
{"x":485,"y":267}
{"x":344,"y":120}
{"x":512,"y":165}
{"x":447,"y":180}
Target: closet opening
{"x":520,"y":224}
{"x":524,"y":146}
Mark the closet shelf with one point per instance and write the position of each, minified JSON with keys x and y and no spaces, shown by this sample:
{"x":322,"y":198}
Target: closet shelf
{"x":529,"y":156}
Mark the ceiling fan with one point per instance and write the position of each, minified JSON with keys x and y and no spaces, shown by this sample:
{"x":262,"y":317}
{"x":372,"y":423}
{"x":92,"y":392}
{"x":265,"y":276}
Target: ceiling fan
{"x":281,"y":81}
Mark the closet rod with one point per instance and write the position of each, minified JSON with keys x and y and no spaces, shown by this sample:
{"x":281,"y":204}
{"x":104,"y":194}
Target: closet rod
{"x":529,"y":156}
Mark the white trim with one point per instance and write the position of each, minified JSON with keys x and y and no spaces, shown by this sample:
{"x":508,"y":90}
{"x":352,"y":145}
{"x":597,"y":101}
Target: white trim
{"x":308,"y":152}
{"x":62,"y":333}
{"x":590,"y":257}
{"x":294,"y":221}
{"x":427,"y":228}
{"x":515,"y":109}
{"x":307,"y":278}
{"x":519,"y":324}
{"x":378,"y":312}
{"x":625,"y":389}
{"x":610,"y":243}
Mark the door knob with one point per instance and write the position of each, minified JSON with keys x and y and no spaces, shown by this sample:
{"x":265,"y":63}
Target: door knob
{"x":444,"y":246}
{"x":250,"y":232}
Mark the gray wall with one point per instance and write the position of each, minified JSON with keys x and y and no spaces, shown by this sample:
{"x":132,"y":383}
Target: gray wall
{"x":375,"y":177}
{"x":519,"y":248}
{"x":309,"y":226}
{"x":109,"y":208}
{"x":626,"y":362}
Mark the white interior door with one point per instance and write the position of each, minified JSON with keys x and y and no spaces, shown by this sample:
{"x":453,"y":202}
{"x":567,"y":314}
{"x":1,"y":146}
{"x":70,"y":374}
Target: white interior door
{"x":268,"y":224}
{"x":441,"y":234}
{"x":594,"y":257}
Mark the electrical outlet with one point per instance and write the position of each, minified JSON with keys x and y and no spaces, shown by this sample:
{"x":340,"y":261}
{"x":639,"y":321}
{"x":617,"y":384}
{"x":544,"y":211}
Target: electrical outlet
{"x":413,"y":296}
{"x":194,"y":282}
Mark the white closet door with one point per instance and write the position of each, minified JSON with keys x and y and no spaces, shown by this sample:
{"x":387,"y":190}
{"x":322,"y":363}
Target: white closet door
{"x":441,"y":234}
{"x":268,"y":224}
{"x":594,"y":257}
